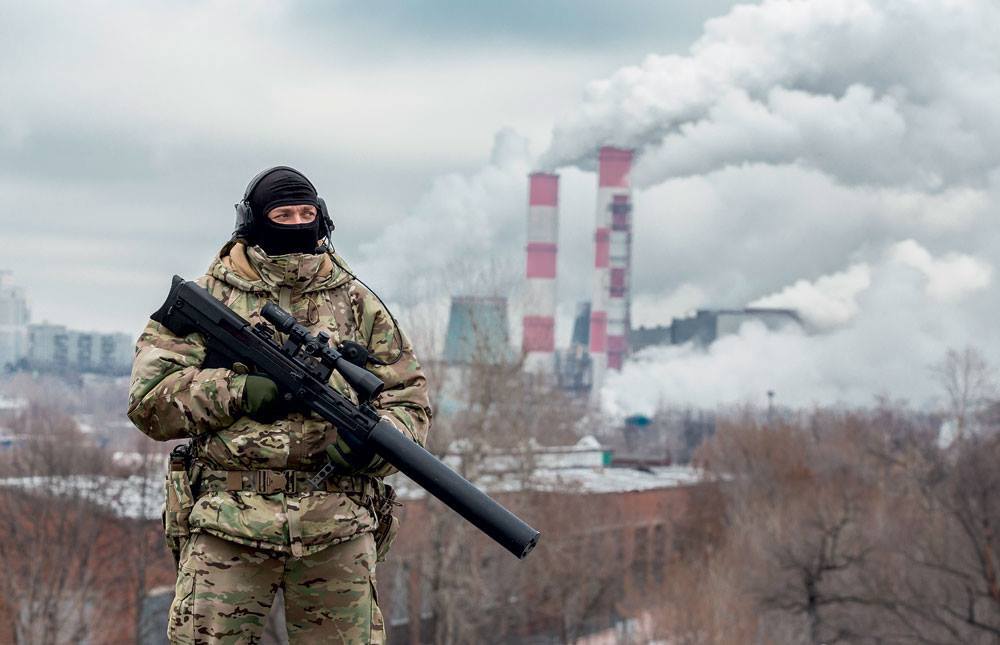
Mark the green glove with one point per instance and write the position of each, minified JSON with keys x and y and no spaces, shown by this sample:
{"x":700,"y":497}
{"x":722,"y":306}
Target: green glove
{"x":260,"y":399}
{"x":345,"y":459}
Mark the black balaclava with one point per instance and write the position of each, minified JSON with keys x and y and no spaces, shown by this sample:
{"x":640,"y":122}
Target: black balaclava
{"x":283,"y":187}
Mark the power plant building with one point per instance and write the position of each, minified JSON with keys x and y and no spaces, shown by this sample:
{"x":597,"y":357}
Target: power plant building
{"x":573,"y":369}
{"x":602,"y":335}
{"x":477,"y":331}
{"x":708,"y":325}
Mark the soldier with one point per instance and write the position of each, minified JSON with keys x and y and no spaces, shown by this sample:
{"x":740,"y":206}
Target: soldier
{"x":240,"y":514}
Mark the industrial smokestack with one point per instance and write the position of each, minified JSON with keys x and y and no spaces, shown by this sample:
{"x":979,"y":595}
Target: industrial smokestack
{"x":609,"y":316}
{"x":538,"y":341}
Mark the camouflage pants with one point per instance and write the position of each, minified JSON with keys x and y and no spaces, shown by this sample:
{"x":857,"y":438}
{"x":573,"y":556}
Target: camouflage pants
{"x":225,"y":590}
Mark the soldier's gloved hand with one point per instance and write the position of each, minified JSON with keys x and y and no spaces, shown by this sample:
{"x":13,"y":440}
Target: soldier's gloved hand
{"x":345,"y":458}
{"x":261,"y":401}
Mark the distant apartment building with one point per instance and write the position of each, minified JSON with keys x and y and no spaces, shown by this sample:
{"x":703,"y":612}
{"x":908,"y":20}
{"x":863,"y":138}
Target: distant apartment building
{"x":14,"y":319}
{"x":48,"y":347}
{"x":56,"y":348}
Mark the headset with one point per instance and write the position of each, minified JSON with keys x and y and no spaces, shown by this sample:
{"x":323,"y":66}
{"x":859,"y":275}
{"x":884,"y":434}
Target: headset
{"x":244,"y":214}
{"x":359,"y":354}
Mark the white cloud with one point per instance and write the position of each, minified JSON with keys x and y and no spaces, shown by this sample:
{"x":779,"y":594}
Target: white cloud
{"x":948,"y":278}
{"x":741,"y":233}
{"x":142,"y":122}
{"x":460,"y":235}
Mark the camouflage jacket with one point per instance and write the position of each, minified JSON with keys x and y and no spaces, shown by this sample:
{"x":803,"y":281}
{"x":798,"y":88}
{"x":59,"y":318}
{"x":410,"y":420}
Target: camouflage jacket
{"x":171,"y":397}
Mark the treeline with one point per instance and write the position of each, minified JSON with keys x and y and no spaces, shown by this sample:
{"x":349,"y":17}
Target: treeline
{"x":843,"y":527}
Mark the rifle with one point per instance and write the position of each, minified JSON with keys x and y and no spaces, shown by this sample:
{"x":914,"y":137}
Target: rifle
{"x":301,"y":368}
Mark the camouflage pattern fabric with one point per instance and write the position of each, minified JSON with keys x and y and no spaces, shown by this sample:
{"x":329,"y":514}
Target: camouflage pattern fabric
{"x":225,"y":591}
{"x":171,"y":397}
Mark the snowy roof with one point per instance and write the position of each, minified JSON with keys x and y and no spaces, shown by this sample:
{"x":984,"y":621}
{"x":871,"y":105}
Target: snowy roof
{"x":616,"y":480}
{"x":133,"y":459}
{"x":132,"y":497}
{"x":12,"y":404}
{"x":575,"y":480}
{"x":572,"y":469}
{"x":580,"y":468}
{"x":586,"y":453}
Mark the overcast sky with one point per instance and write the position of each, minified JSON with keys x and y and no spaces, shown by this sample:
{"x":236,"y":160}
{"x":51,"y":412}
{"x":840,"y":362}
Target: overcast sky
{"x":128,"y":129}
{"x":837,"y":156}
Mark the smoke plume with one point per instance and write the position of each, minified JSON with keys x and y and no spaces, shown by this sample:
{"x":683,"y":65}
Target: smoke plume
{"x":841,"y":157}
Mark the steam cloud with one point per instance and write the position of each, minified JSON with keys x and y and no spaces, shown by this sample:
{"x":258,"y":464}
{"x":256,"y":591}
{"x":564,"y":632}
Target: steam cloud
{"x":883,"y":92}
{"x":841,"y":157}
{"x":883,"y":326}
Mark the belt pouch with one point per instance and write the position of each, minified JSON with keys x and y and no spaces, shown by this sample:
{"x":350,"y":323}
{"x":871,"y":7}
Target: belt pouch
{"x":180,"y":502}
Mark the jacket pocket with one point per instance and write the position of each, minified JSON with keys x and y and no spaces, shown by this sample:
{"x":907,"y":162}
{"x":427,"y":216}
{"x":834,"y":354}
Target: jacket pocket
{"x":377,"y":634}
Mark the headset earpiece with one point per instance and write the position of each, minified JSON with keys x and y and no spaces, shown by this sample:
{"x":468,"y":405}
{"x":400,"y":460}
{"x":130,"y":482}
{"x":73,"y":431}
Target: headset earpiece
{"x":244,"y":219}
{"x":326,"y":224}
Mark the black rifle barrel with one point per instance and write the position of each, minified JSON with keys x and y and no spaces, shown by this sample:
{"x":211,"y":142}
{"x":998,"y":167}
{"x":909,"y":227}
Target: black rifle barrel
{"x":229,"y":339}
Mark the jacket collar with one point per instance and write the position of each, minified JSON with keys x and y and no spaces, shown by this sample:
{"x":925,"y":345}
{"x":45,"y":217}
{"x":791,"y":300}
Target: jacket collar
{"x":250,"y":269}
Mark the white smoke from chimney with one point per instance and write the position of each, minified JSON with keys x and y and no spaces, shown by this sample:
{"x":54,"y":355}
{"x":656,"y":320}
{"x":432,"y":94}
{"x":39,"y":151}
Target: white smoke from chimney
{"x":868,"y":91}
{"x":829,"y":302}
{"x":885,"y":327}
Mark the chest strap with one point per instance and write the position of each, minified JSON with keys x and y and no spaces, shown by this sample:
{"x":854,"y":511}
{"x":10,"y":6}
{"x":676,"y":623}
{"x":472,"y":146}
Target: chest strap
{"x":269,"y":482}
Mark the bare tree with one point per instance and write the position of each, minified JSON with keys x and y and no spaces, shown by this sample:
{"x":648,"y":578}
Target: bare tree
{"x":48,"y":535}
{"x":75,"y":546}
{"x":944,"y":586}
{"x":969,"y":383}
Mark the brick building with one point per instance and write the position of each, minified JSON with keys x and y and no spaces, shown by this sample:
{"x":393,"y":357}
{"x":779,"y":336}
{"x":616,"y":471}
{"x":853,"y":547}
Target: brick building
{"x":608,"y":535}
{"x":75,"y":571}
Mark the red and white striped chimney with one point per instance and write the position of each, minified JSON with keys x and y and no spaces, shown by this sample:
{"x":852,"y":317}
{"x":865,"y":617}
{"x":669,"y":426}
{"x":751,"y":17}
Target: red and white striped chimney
{"x":539,"y":338}
{"x":609,"y":313}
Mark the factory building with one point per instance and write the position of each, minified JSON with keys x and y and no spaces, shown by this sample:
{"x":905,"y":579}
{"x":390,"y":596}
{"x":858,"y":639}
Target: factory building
{"x":708,"y":325}
{"x":615,"y":562}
